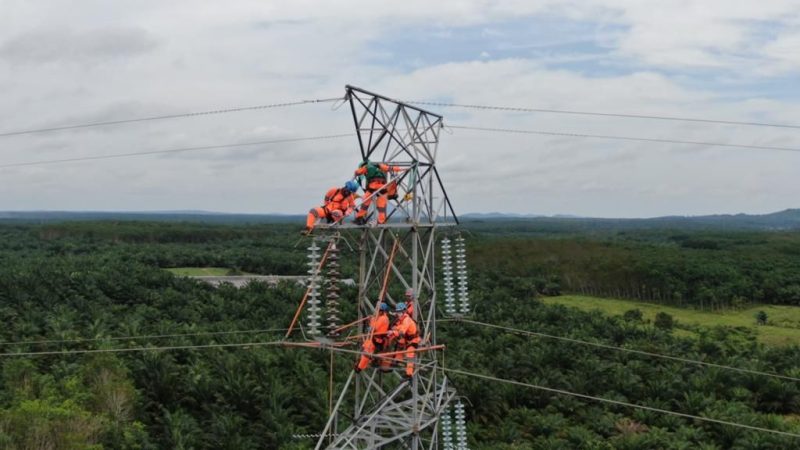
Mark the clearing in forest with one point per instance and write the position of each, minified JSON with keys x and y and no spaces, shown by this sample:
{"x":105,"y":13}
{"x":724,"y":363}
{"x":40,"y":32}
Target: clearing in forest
{"x":782,"y":328}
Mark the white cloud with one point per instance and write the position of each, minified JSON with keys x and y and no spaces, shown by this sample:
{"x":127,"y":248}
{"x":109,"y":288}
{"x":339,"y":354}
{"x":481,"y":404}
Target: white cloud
{"x":707,"y":34}
{"x":64,"y":63}
{"x":784,"y":54}
{"x":94,"y":46}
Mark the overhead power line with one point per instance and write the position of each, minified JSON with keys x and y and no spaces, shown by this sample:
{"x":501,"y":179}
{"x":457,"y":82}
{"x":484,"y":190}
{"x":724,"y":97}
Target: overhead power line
{"x":333,"y":99}
{"x":140,"y":337}
{"x":455,"y":371}
{"x":166,"y":116}
{"x":605,"y":114}
{"x":619,"y":403}
{"x":623,"y":138}
{"x":622,"y":349}
{"x":175,"y":150}
{"x":337,"y":136}
{"x":584,"y":396}
{"x":138,"y":349}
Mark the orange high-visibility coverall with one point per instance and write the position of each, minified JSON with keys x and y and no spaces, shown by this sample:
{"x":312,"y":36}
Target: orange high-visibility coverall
{"x":405,"y":329}
{"x":373,"y":185}
{"x":337,"y":205}
{"x":379,"y":326}
{"x":409,"y":299}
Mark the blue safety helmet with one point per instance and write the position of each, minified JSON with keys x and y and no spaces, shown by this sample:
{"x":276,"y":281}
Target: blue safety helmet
{"x":351,"y":186}
{"x":385,"y":307}
{"x":400,"y":307}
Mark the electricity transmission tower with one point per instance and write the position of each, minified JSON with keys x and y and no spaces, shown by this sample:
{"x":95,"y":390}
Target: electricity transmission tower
{"x":376,"y":409}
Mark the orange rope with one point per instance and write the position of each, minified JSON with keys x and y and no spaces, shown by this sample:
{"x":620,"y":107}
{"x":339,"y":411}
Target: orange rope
{"x":339,"y":345}
{"x":355,"y":322}
{"x":385,"y":283}
{"x":315,"y":344}
{"x":386,"y":275}
{"x":400,"y":352}
{"x":359,"y":336}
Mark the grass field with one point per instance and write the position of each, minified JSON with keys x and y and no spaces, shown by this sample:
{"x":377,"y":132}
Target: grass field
{"x":200,"y":271}
{"x":783,"y":322}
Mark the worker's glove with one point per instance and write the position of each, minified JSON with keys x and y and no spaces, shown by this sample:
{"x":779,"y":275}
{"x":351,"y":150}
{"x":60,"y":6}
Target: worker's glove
{"x":336,"y":215}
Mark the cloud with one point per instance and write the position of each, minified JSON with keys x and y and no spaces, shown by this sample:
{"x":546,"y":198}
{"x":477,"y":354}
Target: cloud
{"x":711,"y":34}
{"x":94,"y":46}
{"x":783,"y":53}
{"x":132,"y":59}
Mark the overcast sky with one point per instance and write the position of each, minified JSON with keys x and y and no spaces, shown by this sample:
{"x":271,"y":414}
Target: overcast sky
{"x":74,"y":62}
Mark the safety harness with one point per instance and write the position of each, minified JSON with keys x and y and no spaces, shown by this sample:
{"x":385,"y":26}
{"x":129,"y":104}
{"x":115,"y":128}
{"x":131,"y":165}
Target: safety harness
{"x":337,"y":198}
{"x":374,"y":172}
{"x":409,"y":337}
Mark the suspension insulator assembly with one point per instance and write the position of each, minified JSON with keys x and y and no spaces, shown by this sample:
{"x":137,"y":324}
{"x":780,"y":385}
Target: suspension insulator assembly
{"x":314,"y":281}
{"x":461,"y":275}
{"x":447,"y":430}
{"x":461,"y":426}
{"x":332,"y":290}
{"x":447,"y":271}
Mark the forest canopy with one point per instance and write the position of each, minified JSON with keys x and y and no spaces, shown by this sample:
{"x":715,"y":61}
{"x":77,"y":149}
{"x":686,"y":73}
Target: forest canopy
{"x":101,"y":286}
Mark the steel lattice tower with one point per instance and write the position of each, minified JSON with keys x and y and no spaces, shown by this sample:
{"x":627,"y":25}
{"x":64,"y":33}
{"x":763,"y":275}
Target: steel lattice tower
{"x":387,"y":411}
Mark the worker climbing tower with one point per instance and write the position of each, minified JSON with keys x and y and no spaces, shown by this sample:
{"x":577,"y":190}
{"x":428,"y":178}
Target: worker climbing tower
{"x":373,"y":408}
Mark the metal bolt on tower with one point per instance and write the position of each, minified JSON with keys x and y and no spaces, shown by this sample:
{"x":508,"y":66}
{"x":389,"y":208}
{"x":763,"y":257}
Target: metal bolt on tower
{"x":383,"y":410}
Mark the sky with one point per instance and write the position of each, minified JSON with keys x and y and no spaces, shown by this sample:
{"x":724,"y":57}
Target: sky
{"x":65,"y":63}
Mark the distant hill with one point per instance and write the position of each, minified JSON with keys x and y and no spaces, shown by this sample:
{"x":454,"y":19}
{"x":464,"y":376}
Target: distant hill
{"x":782,"y":220}
{"x":788,"y":219}
{"x":498,"y":215}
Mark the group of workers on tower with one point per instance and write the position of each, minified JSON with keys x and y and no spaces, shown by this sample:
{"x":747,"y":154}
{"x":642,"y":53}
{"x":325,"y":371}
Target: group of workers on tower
{"x":383,"y":332}
{"x":380,"y":185}
{"x":340,"y":202}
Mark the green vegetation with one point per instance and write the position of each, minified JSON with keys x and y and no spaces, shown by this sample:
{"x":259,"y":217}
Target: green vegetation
{"x":782,"y":327}
{"x":204,"y":271}
{"x":664,"y":321}
{"x":703,"y":270}
{"x":82,"y":283}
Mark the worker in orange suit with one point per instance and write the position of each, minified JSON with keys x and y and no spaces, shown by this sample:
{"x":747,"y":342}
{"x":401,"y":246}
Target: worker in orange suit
{"x":376,"y":175}
{"x":339,"y":202}
{"x":407,"y":335}
{"x":376,"y":340}
{"x":409,"y":298}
